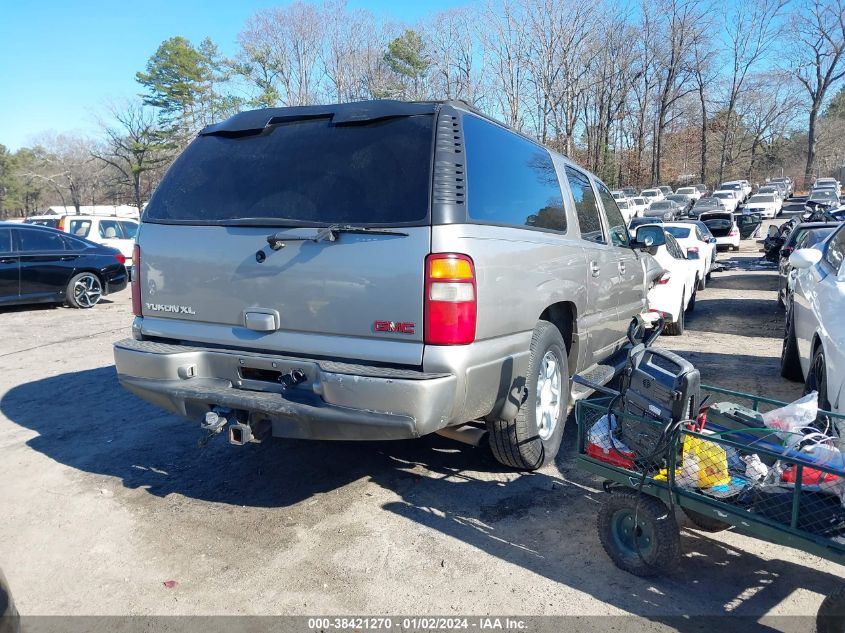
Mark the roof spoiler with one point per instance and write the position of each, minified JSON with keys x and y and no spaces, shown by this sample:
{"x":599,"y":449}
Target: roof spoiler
{"x":340,"y":114}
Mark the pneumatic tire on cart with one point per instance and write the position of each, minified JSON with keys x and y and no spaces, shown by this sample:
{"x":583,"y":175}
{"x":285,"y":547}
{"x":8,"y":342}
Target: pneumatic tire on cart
{"x":533,"y":438}
{"x":639,"y":533}
{"x":705,"y":523}
{"x":831,"y":615}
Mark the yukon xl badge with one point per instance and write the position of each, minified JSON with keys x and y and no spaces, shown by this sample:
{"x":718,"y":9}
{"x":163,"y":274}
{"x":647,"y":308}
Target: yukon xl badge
{"x":160,"y":307}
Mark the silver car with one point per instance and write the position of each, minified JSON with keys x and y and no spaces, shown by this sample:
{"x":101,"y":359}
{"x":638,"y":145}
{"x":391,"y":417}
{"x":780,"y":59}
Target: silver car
{"x":378,"y":270}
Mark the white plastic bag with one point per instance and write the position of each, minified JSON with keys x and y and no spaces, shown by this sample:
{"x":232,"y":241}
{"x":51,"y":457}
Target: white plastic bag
{"x":792,"y":420}
{"x":600,"y":435}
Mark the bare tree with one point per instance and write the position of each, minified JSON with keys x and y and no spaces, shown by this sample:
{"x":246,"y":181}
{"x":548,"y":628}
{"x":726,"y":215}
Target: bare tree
{"x":683,"y":19}
{"x":751,"y":28}
{"x":452,"y":47}
{"x":505,"y":43}
{"x":133,"y":147}
{"x":67,"y":166}
{"x":818,"y":28}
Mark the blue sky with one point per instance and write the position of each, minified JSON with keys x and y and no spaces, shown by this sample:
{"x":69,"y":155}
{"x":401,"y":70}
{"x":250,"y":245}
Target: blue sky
{"x":60,"y":61}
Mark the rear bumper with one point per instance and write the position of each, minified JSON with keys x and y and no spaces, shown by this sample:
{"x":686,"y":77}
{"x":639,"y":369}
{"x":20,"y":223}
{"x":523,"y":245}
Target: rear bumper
{"x":337,"y":401}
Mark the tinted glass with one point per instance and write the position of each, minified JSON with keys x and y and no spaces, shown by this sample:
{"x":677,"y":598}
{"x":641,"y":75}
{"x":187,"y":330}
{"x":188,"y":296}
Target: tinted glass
{"x":835,"y":252}
{"x":52,"y":223}
{"x":35,"y":241}
{"x":615,"y":221}
{"x":677,"y":231}
{"x":130,"y":229}
{"x":80,"y":228}
{"x":673,"y":248}
{"x":305,"y":172}
{"x":5,"y":241}
{"x":75,"y":244}
{"x":662,"y":204}
{"x":510,"y":179}
{"x":109,"y":229}
{"x":589,"y":219}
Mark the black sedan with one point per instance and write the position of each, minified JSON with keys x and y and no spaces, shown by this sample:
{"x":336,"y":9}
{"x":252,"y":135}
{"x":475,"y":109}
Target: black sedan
{"x":43,"y":265}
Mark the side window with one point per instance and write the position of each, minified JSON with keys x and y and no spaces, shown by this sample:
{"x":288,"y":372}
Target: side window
{"x":835,"y":252}
{"x":109,"y":229}
{"x":673,"y":247}
{"x":80,"y":228}
{"x":36,"y":241}
{"x":5,"y":241}
{"x":130,"y":229}
{"x":510,"y":180}
{"x":73,"y":244}
{"x":618,"y":232}
{"x":586,"y":206}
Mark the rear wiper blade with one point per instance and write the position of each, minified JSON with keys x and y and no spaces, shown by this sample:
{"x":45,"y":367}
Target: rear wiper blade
{"x":327,"y":234}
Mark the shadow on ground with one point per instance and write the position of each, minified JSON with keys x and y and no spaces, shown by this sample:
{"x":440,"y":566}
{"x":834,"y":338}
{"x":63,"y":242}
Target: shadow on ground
{"x":542,"y":522}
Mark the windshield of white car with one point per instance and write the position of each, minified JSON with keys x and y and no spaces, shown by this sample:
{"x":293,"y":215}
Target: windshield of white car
{"x":823,"y":195}
{"x":762,"y":198}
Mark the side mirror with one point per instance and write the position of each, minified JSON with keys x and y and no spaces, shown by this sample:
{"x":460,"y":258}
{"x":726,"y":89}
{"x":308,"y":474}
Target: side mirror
{"x":773,"y":230}
{"x":649,"y":236}
{"x":805,"y":258}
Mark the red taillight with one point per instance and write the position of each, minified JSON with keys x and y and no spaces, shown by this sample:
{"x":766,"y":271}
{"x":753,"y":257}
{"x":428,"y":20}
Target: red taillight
{"x":136,"y":281}
{"x":61,"y":224}
{"x":692,"y":249}
{"x":450,"y":300}
{"x":733,"y":232}
{"x":120,"y":257}
{"x":664,"y":278}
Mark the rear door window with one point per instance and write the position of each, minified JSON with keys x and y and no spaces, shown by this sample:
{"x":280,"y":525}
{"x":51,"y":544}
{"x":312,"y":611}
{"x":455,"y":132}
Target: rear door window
{"x":511,"y":180}
{"x":303,"y":172}
{"x":130,"y":229}
{"x":586,"y":205}
{"x":80,"y":228}
{"x":615,"y":221}
{"x":32,"y":241}
{"x":5,"y":241}
{"x":110,"y":230}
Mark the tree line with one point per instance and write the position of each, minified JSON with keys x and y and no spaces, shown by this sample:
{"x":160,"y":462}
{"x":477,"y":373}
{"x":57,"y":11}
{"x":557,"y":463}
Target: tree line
{"x":653,"y":92}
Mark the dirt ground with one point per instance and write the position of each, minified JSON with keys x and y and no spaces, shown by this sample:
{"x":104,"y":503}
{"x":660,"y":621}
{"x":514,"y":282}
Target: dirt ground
{"x":105,"y":498}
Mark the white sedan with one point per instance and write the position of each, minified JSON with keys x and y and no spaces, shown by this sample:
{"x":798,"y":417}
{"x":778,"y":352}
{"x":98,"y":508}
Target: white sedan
{"x":692,"y":192}
{"x":768,"y":205}
{"x":814,"y":339}
{"x":728,"y":197}
{"x":693,"y":240}
{"x":723,"y":226}
{"x":674,"y":293}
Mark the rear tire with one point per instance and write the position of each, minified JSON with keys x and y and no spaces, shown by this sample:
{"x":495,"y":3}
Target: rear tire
{"x":790,"y":365}
{"x":676,"y":328}
{"x":84,"y":291}
{"x":649,"y":546}
{"x":817,"y":378}
{"x":532,"y":439}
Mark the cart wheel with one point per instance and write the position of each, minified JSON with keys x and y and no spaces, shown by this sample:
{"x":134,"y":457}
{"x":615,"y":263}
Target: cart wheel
{"x":648,"y":547}
{"x":831,"y":616}
{"x":704,"y":522}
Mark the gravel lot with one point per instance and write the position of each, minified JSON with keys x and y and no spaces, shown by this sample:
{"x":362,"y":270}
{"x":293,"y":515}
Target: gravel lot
{"x":105,"y":498}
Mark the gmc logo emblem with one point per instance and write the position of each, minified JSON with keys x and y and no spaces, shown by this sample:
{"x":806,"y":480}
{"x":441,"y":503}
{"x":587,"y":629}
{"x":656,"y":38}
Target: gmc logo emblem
{"x":392,"y":326}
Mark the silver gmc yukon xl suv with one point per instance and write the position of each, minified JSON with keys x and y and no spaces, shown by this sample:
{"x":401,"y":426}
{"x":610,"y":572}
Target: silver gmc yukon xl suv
{"x":378,"y":270}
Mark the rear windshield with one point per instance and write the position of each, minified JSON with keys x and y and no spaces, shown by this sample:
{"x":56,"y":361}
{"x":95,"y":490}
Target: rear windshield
{"x":677,"y":231}
{"x":303,"y":172}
